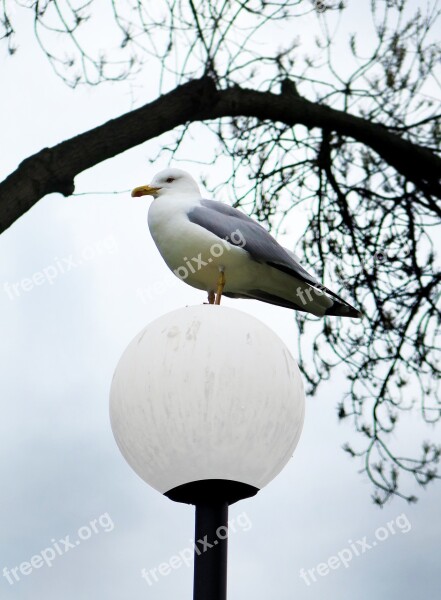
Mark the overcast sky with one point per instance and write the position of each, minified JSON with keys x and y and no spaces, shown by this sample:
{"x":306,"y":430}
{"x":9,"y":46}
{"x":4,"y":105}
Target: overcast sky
{"x":61,"y":471}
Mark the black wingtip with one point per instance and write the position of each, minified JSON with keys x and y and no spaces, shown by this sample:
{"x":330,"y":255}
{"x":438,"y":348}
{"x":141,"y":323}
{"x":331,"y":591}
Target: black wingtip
{"x":343,"y":310}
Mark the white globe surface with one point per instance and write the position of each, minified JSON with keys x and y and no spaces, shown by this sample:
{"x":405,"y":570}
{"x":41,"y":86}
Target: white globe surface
{"x":206,"y":392}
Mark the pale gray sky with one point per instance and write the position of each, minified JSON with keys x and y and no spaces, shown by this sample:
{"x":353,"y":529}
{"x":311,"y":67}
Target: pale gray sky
{"x":61,"y":340}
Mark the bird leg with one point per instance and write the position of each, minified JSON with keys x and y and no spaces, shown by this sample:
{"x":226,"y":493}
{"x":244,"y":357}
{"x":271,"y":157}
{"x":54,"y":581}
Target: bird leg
{"x":211,"y":297}
{"x":220,"y":286}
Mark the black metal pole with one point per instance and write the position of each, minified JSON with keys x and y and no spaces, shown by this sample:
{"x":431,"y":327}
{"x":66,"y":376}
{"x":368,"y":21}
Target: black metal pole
{"x":210,"y":552}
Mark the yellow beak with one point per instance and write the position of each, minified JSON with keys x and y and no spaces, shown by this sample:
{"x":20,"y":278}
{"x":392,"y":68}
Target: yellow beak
{"x":144,"y":190}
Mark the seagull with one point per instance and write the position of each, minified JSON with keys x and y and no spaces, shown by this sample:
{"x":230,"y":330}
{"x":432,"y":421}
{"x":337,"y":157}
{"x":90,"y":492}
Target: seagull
{"x":217,"y":248}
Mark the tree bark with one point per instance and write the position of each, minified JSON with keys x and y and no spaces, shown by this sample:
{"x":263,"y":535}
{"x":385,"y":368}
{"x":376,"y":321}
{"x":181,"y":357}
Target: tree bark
{"x":54,"y":169}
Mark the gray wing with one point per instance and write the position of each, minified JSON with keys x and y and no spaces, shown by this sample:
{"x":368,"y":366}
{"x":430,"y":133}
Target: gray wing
{"x":230,"y":224}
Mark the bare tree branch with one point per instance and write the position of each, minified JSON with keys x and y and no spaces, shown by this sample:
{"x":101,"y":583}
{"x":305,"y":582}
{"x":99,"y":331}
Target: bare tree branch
{"x":54,"y":169}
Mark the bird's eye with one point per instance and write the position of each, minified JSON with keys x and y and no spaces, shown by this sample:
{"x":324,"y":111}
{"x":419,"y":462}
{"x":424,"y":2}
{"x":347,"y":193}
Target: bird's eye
{"x":170,"y":179}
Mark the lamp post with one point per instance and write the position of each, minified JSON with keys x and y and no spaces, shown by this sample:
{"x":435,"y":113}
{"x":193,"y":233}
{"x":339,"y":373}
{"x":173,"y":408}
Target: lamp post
{"x":207,"y":406}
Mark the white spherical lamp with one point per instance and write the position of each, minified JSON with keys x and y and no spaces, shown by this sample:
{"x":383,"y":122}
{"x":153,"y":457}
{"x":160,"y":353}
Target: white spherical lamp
{"x":207,"y":402}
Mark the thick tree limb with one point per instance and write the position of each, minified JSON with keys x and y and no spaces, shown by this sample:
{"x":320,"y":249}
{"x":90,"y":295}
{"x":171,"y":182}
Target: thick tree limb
{"x":54,"y":169}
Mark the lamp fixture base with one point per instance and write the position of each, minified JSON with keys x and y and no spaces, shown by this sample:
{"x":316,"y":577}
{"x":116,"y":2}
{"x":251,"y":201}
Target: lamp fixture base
{"x":209,"y":491}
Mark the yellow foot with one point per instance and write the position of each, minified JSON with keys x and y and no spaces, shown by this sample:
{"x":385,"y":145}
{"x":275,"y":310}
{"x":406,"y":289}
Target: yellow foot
{"x":220,"y":287}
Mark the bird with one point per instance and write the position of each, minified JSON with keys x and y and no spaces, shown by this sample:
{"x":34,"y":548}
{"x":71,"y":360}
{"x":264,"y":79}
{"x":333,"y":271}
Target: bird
{"x":216,"y":248}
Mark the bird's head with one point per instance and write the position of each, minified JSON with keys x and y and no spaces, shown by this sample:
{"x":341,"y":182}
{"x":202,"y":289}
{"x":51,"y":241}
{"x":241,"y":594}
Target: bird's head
{"x":166,"y":182}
